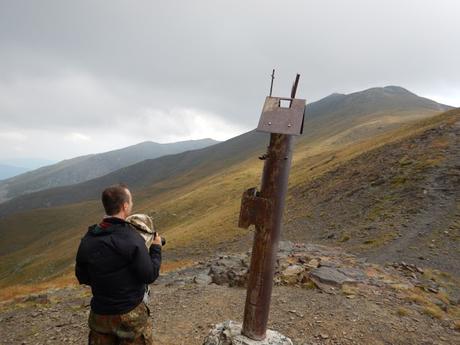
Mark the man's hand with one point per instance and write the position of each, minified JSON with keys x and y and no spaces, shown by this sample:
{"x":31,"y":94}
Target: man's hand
{"x":157,"y":240}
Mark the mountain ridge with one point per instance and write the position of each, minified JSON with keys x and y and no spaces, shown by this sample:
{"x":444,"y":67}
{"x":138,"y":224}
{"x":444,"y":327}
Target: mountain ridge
{"x":8,"y":170}
{"x":82,"y":168}
{"x":338,"y":113}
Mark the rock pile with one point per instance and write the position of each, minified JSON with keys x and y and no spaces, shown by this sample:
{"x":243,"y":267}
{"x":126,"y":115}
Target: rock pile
{"x":297,"y":265}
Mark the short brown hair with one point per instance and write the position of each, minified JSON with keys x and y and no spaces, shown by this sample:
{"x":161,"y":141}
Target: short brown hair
{"x":114,"y":197}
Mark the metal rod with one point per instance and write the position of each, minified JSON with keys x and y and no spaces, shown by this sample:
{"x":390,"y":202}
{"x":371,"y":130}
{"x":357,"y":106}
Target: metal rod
{"x":271,"y":85}
{"x":294,"y":86}
{"x":267,"y":233}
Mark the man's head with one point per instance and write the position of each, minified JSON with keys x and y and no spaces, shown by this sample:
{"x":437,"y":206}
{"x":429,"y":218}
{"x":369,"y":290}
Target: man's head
{"x":117,"y":201}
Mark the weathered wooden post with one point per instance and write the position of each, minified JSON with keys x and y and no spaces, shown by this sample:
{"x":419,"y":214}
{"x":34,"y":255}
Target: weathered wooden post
{"x":282,"y":118}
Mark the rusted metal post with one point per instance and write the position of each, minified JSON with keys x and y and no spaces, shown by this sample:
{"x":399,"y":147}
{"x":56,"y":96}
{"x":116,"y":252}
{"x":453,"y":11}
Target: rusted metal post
{"x":264,"y":209}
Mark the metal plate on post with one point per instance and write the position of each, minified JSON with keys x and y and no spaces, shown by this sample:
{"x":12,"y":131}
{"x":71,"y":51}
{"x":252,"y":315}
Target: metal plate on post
{"x":282,"y":115}
{"x":253,"y":209}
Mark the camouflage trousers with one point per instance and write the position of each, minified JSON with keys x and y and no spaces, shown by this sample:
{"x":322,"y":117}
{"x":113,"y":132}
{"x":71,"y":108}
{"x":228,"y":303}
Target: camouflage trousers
{"x":132,"y":328}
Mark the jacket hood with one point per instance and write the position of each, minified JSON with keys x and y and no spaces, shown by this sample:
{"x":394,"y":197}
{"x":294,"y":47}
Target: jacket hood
{"x":106,"y":227}
{"x":97,"y":230}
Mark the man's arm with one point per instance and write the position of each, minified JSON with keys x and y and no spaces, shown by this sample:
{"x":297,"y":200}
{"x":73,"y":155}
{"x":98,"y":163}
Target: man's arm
{"x":146,"y":263}
{"x":155,"y":257}
{"x":81,"y":268}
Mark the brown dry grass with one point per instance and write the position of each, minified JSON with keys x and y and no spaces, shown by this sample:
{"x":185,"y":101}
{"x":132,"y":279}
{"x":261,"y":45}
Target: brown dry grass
{"x":434,"y":311}
{"x":68,"y":279}
{"x":169,"y":266}
{"x":20,"y":290}
{"x":403,"y":311}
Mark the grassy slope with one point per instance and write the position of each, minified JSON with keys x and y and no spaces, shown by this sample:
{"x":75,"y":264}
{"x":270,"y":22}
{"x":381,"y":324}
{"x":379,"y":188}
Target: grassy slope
{"x":397,"y":202}
{"x":196,"y":211}
{"x":340,"y":118}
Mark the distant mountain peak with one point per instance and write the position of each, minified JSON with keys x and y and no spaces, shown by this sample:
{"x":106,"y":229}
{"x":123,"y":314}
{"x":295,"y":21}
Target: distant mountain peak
{"x":375,"y":99}
{"x":384,"y":90}
{"x":395,"y":88}
{"x":203,"y":140}
{"x":335,"y":95}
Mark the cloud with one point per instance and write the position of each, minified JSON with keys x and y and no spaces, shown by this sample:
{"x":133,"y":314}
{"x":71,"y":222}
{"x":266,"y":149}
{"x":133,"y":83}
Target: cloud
{"x":174,"y":124}
{"x":12,"y":136}
{"x":68,"y":100}
{"x":180,"y":69}
{"x":77,"y":137}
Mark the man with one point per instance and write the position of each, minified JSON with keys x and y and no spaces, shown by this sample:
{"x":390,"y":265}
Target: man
{"x":114,"y":261}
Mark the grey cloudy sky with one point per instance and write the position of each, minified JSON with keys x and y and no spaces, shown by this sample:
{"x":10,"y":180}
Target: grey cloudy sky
{"x":81,"y":77}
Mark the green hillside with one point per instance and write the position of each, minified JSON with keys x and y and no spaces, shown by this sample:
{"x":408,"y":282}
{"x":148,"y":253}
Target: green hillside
{"x":195,"y":196}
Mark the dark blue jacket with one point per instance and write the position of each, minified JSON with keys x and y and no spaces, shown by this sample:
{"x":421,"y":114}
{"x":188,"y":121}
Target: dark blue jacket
{"x":112,"y":258}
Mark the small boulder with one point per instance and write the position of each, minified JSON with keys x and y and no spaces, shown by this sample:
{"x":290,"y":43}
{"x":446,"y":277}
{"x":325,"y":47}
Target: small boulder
{"x":202,"y":279}
{"x":285,"y":246}
{"x":331,"y":276}
{"x":40,"y":299}
{"x":290,"y":275}
{"x":313,"y":263}
{"x":229,"y":333}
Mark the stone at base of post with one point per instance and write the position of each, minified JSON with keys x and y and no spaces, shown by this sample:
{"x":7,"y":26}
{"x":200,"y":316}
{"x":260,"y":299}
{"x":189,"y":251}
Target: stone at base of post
{"x":229,"y":333}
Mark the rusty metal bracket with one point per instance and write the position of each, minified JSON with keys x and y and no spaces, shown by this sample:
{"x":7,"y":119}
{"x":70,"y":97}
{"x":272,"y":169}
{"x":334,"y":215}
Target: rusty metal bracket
{"x":253,"y":209}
